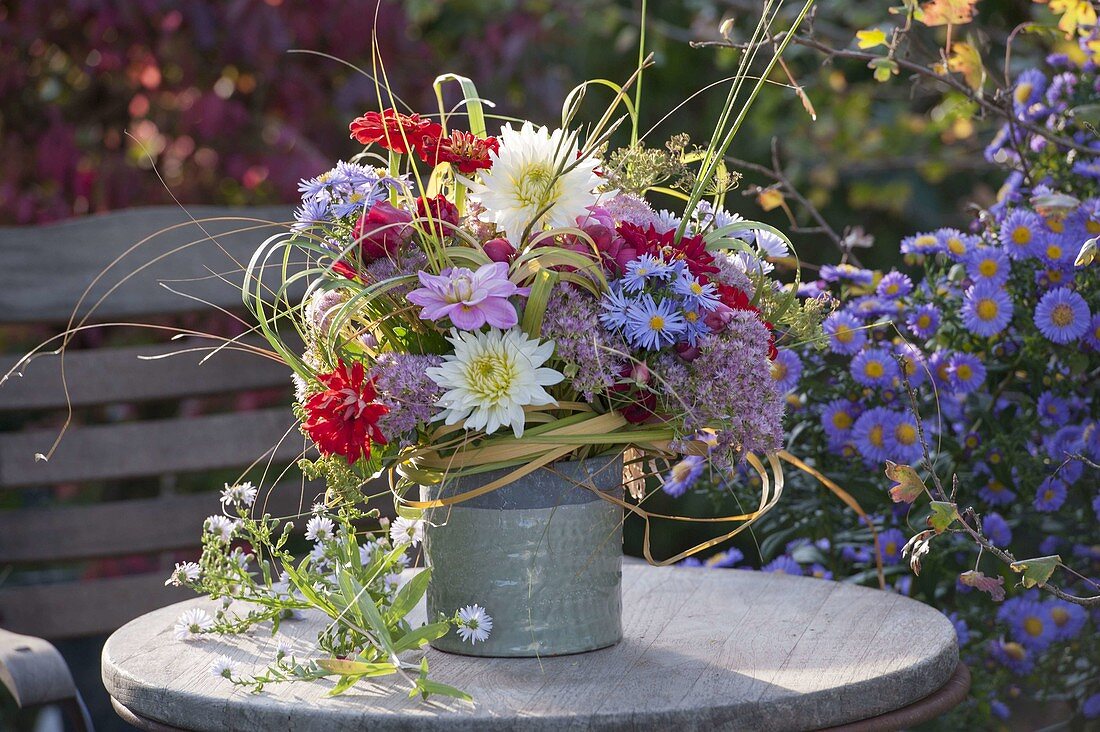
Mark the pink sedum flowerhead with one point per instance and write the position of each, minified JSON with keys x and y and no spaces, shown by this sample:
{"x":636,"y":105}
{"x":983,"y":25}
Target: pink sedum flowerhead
{"x":470,"y":299}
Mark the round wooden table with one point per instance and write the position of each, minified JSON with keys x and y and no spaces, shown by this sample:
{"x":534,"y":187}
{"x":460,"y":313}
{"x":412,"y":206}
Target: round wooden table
{"x":704,"y":649}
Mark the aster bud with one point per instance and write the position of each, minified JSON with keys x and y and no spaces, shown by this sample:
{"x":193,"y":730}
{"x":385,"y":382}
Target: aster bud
{"x":640,"y":373}
{"x":718,"y":318}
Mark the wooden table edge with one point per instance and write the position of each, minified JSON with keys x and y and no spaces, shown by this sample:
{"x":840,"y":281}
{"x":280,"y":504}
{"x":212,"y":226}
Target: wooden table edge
{"x":939,"y":702}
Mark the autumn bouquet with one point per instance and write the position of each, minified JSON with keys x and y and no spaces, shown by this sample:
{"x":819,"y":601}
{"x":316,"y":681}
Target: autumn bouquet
{"x":464,"y":309}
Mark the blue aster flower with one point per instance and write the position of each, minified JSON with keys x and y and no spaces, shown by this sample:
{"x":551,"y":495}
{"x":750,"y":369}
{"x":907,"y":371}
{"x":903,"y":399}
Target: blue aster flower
{"x":729,"y":558}
{"x":855,"y":554}
{"x":925,"y":243}
{"x":1053,"y":410}
{"x":1012,"y":656}
{"x":904,"y":442}
{"x":988,"y":264}
{"x":874,"y":367}
{"x":1062,"y":316}
{"x":786,"y":370}
{"x":695,"y":326}
{"x":996,"y":493}
{"x":847,"y":273}
{"x":820,"y":571}
{"x":1068,"y":619}
{"x":956,"y":244}
{"x":1030,"y":625}
{"x":1090,"y":708}
{"x":644,"y":269}
{"x":695,"y":293}
{"x":683,"y":475}
{"x":890,"y":543}
{"x":894,"y":284}
{"x":999,"y":709}
{"x":846,"y":334}
{"x":1028,"y":89}
{"x":783,"y":565}
{"x":1050,"y":495}
{"x":838,"y":418}
{"x":1092,"y":334}
{"x":962,"y":630}
{"x":614,"y":304}
{"x":1020,"y":232}
{"x":966,"y":373}
{"x":986,"y":309}
{"x":924,"y":321}
{"x":997,"y":530}
{"x":652,"y":325}
{"x":873,"y":434}
{"x":313,"y":211}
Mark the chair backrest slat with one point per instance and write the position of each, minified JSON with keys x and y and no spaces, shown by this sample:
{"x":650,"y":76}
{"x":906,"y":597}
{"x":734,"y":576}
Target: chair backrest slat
{"x":141,"y":526}
{"x":46,"y":268}
{"x":149,"y":448}
{"x":93,"y":376}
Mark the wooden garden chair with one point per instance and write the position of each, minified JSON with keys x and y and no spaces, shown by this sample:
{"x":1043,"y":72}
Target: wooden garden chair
{"x":44,"y":543}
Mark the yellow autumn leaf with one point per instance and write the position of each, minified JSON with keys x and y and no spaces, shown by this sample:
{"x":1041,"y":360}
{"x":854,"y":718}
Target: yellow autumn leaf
{"x":1075,"y":14}
{"x":770,"y":199}
{"x":966,"y":60}
{"x":948,"y":12}
{"x":870,"y":38}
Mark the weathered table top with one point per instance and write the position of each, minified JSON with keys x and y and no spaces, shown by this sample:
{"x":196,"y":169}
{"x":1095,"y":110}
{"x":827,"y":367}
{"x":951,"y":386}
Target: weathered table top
{"x":703,"y":649}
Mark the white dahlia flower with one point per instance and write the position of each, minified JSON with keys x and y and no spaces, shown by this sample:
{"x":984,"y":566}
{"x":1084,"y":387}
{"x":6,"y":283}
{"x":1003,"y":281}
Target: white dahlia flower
{"x":491,"y":377}
{"x":526,"y":185}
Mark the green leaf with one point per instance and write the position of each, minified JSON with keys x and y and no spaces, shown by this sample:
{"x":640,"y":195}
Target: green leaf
{"x":417,"y":637}
{"x":535,"y":307}
{"x":408,"y":596}
{"x":870,"y":38}
{"x":343,"y":684}
{"x":1036,"y":571}
{"x":943,"y":515}
{"x":884,"y":68}
{"x":362,"y":606}
{"x":909,"y":484}
{"x":469,"y":95}
{"x":426,"y":688}
{"x":345,"y":667}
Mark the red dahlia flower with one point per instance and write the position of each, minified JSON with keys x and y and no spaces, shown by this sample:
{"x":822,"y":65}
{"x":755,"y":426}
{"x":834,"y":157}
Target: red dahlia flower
{"x":442,"y":213}
{"x":464,"y":150}
{"x":691,"y":249}
{"x":343,"y":419}
{"x":393,"y":130}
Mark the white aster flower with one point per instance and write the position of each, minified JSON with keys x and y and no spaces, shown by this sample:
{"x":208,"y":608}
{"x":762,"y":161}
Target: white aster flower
{"x":221,"y":527}
{"x":491,"y":377}
{"x":406,"y":531}
{"x":770,"y":245}
{"x":243,"y":494}
{"x":474,"y":624}
{"x":193,"y":622}
{"x":184,"y":572}
{"x":222,"y":666}
{"x":319,"y":528}
{"x":526,"y":181}
{"x":317,"y":557}
{"x":239,"y":556}
{"x":318,"y":508}
{"x":666,"y":221}
{"x":750,"y":264}
{"x":283,"y":648}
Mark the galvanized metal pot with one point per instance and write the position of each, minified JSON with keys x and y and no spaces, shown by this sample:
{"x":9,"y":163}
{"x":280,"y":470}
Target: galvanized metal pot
{"x":542,"y":555}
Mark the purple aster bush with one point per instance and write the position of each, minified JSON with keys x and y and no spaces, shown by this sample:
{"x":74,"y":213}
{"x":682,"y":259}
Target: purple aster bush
{"x":991,"y":337}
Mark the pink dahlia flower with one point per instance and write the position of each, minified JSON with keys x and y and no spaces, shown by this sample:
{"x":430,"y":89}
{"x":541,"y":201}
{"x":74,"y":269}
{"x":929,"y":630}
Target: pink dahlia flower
{"x":470,"y":299}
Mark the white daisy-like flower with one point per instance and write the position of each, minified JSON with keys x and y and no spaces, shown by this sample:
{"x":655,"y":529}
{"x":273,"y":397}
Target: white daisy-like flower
{"x":666,"y":221}
{"x":770,"y":245}
{"x":221,"y":527}
{"x":222,"y":666}
{"x":283,"y":648}
{"x":318,"y":508}
{"x":184,"y":572}
{"x":491,"y":377}
{"x":317,"y":557}
{"x":474,"y":624}
{"x":750,"y":264}
{"x":320,"y":528}
{"x":242,"y":494}
{"x":193,"y":622}
{"x":526,"y":181}
{"x":407,"y":531}
{"x":239,"y":556}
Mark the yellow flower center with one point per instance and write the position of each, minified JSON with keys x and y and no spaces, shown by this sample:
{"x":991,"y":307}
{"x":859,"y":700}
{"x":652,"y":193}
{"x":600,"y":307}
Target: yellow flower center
{"x":490,"y":376}
{"x":1021,"y":236}
{"x":906,"y":433}
{"x":1048,"y":494}
{"x":987,"y":309}
{"x":874,"y":369}
{"x":1054,"y":276}
{"x":657,"y":322}
{"x":925,"y":242}
{"x":891,"y":547}
{"x":1056,"y":225}
{"x":924,"y":321}
{"x":1023,"y":92}
{"x":1054,"y":251}
{"x":1014,"y":651}
{"x":994,"y":457}
{"x":537,"y":186}
{"x":988,"y":267}
{"x":995,"y":486}
{"x":696,"y":288}
{"x":844,"y":334}
{"x":1060,"y":616}
{"x":956,"y":245}
{"x":691,"y":316}
{"x":875,"y":435}
{"x":1033,"y":626}
{"x":892,"y":288}
{"x":1062,"y":315}
{"x":842,"y":420}
{"x":779,"y":370}
{"x":964,"y":372}
{"x":681,"y":471}
{"x":1093,"y":227}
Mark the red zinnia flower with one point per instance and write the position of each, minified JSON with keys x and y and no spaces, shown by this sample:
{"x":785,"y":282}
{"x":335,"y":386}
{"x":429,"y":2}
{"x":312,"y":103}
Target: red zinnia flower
{"x":393,"y":130}
{"x":464,"y":150}
{"x":691,"y":249}
{"x":343,"y":419}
